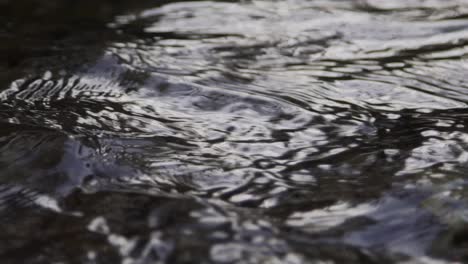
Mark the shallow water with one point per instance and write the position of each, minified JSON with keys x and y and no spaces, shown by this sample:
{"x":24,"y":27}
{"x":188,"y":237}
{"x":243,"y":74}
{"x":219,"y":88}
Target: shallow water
{"x":289,"y":131}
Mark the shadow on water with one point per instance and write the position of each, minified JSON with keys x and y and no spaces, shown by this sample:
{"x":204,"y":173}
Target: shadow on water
{"x":140,"y":132}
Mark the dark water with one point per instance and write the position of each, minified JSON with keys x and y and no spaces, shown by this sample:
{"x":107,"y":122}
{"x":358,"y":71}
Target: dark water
{"x":289,"y":131}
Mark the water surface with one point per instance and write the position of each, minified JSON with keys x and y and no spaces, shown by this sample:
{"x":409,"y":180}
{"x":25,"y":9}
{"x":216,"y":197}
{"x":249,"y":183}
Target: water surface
{"x":287,"y":131}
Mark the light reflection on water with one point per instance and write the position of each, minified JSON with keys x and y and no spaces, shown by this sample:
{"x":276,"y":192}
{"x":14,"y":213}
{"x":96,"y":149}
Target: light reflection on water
{"x":284,"y":131}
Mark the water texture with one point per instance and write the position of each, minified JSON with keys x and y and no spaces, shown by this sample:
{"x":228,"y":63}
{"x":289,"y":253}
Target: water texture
{"x":289,"y":131}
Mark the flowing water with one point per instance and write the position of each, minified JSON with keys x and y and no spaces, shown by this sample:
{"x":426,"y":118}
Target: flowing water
{"x":257,"y":131}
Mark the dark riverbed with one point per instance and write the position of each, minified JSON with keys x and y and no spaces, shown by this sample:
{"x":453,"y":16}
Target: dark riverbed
{"x":289,"y":131}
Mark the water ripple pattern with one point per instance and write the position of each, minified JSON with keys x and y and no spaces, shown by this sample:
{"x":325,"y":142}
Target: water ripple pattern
{"x":287,"y":131}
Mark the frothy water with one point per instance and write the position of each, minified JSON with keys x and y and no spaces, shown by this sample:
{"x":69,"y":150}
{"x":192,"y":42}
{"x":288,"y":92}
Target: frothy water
{"x":287,"y":131}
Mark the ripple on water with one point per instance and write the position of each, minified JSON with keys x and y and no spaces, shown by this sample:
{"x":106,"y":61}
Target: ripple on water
{"x":253,"y":132}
